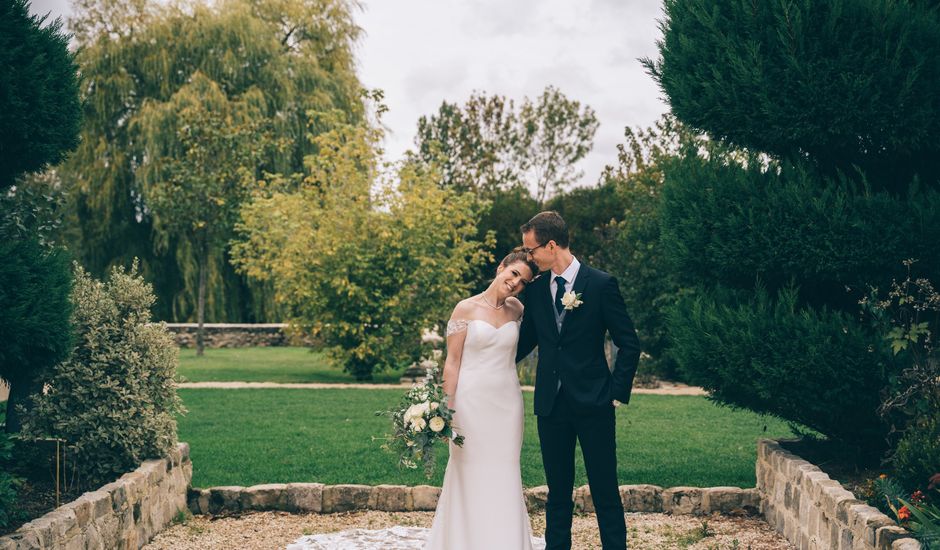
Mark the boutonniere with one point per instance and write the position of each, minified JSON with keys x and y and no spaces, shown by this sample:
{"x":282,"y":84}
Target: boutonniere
{"x":571,"y":300}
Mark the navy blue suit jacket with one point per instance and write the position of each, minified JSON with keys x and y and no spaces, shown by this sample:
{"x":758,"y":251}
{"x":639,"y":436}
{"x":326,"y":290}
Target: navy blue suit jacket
{"x":576,"y":354}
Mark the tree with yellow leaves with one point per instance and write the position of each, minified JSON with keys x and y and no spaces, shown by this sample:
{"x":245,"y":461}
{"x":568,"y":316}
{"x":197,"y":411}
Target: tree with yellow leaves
{"x":361,"y":256}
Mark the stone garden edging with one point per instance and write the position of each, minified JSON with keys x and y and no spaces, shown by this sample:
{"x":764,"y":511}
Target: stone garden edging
{"x":320,"y":498}
{"x":231,"y":335}
{"x":811,"y":510}
{"x":124,"y":514}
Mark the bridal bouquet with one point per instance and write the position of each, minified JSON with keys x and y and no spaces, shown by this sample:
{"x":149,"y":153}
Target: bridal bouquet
{"x":421,"y":419}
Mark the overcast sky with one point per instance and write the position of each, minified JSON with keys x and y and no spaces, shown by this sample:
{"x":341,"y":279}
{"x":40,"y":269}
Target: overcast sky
{"x":422,"y":52}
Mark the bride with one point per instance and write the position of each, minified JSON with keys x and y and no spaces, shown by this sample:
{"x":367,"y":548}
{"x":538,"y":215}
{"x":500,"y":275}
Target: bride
{"x":481,"y":504}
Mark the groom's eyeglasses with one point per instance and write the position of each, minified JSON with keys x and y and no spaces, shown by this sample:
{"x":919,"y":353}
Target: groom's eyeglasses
{"x":531,"y":250}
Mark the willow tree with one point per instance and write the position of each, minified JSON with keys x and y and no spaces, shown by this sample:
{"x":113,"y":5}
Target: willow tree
{"x":202,"y":152}
{"x":295,"y":54}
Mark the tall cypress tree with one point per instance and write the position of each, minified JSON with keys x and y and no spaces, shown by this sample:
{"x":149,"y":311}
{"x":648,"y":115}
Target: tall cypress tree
{"x":831,"y":111}
{"x":39,"y":115}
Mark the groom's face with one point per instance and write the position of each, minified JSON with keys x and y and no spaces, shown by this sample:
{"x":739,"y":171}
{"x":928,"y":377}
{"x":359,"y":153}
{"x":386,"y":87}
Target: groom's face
{"x":543,"y":254}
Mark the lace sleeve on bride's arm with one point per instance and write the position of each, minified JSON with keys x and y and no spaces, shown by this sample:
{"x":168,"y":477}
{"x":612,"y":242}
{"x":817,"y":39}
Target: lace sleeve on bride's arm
{"x":456,"y":325}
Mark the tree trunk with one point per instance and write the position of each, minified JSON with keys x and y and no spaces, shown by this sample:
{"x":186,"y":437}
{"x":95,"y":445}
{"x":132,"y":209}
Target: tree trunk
{"x":19,"y":395}
{"x":201,"y":305}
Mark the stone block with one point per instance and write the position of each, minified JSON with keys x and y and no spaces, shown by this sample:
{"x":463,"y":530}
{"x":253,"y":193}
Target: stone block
{"x":905,"y":544}
{"x":118,"y":494}
{"x":42,"y":529}
{"x":195,"y":499}
{"x":154,"y":469}
{"x":100,"y":503}
{"x":135,"y":485}
{"x":224,"y":499}
{"x":184,"y":451}
{"x":720,"y":499}
{"x":391,"y":498}
{"x":305,"y":497}
{"x":343,"y":498}
{"x":682,"y":500}
{"x":886,"y":535}
{"x":93,"y":539}
{"x":642,"y":498}
{"x":271,"y":496}
{"x":865,"y":520}
{"x":109,"y":528}
{"x":583,"y":503}
{"x":6,"y":543}
{"x":64,"y":524}
{"x":846,"y":539}
{"x":425,"y":497}
{"x":82,"y":509}
{"x":842,"y":510}
{"x":27,"y":539}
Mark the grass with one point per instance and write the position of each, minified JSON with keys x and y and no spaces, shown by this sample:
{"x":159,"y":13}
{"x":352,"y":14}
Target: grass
{"x":253,"y":436}
{"x":274,"y":364}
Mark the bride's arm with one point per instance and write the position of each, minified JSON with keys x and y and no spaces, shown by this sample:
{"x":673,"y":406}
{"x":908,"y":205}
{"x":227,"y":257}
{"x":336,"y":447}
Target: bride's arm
{"x":456,"y":335}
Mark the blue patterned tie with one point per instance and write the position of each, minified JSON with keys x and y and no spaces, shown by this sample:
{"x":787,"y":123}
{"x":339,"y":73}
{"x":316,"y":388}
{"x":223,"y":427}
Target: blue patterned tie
{"x":559,"y":292}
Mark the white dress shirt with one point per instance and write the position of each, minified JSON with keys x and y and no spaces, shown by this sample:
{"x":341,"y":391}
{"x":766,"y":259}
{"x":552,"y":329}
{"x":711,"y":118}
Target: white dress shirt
{"x":569,"y":275}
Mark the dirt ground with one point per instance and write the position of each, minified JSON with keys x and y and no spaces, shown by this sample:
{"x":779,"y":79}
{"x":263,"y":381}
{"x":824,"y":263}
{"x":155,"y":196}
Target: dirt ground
{"x":269,"y":530}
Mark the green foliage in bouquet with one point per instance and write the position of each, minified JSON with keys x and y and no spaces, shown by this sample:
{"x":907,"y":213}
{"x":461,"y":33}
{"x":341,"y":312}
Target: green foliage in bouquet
{"x":421,"y":420}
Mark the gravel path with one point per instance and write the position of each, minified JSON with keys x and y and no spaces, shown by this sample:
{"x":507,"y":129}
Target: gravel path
{"x":664,"y":389}
{"x":269,"y":530}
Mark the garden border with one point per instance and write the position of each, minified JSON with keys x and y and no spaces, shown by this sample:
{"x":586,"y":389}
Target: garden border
{"x":124,"y":514}
{"x":320,"y":498}
{"x":811,"y":510}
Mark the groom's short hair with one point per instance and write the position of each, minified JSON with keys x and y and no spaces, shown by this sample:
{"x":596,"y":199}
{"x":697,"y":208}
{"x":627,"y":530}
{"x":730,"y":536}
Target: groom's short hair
{"x":548,"y":226}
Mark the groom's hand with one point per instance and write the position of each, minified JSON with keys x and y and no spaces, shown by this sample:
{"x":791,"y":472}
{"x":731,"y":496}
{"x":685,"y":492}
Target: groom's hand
{"x":615,"y":403}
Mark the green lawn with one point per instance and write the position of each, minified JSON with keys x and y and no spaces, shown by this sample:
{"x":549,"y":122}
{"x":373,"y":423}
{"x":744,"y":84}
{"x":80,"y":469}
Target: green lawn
{"x":254,"y":436}
{"x":274,"y":364}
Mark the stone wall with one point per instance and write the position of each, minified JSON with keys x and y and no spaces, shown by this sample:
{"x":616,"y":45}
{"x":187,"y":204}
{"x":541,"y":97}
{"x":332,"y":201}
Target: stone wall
{"x":124,"y":514}
{"x":231,"y":335}
{"x":316,"y":497}
{"x":816,"y":512}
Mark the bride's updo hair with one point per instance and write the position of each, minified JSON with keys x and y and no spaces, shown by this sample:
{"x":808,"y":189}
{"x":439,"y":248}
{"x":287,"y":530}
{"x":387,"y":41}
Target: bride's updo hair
{"x":517,"y":255}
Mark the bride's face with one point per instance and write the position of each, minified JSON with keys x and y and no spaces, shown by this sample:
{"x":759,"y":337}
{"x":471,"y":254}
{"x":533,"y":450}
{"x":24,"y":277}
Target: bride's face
{"x":513,"y":278}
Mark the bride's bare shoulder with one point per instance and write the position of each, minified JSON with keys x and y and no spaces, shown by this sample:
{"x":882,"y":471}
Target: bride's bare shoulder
{"x":464,"y":309}
{"x":514,"y":304}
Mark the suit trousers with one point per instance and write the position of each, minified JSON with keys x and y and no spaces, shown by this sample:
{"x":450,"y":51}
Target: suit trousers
{"x":594,"y":430}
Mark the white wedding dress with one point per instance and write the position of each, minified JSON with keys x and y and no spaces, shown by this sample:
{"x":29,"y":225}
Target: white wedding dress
{"x":481,"y":506}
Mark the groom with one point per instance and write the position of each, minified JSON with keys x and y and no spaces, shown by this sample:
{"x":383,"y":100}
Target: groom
{"x":568,"y":311}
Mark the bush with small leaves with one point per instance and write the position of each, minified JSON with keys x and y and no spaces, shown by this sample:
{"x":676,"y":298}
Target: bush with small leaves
{"x":113,"y":400}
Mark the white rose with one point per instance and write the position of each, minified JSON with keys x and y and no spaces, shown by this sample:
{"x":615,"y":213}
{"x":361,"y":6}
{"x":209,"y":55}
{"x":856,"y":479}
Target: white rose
{"x":435,"y":405}
{"x":437,"y":354}
{"x":431,"y":336}
{"x":418,"y":424}
{"x":570,"y":300}
{"x":428,"y":364}
{"x":437,"y":424}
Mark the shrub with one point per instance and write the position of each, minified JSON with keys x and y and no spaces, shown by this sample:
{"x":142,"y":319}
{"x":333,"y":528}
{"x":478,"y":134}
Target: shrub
{"x":728,"y":224}
{"x":917,"y":455}
{"x":113,"y":400}
{"x":768,"y":354}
